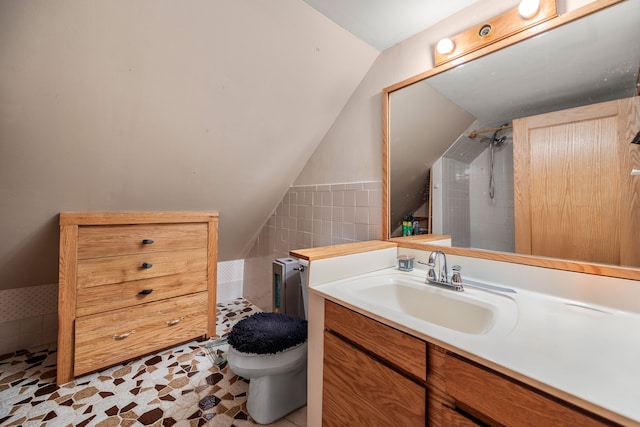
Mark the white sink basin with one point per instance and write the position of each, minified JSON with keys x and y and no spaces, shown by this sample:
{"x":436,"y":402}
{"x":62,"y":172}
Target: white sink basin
{"x":401,"y":297}
{"x":448,"y":310}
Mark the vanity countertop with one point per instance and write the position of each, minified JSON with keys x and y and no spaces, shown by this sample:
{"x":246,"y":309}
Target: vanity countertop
{"x":324,"y":252}
{"x":585,"y":354}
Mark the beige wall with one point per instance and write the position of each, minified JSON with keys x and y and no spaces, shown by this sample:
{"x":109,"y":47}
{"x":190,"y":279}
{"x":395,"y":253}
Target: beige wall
{"x":159,"y":105}
{"x":352,"y":150}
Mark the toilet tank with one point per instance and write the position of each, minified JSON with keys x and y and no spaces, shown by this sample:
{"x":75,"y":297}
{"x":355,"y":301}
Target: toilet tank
{"x":287,"y":289}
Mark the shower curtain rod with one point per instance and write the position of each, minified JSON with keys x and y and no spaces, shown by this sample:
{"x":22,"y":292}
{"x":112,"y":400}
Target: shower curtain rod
{"x":477,"y":132}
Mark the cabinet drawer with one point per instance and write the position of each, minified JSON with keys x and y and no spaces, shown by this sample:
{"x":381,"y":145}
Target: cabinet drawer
{"x":507,"y":401}
{"x":108,"y":338}
{"x":112,"y":240}
{"x":119,"y":295}
{"x":403,"y":351}
{"x":126,"y":268}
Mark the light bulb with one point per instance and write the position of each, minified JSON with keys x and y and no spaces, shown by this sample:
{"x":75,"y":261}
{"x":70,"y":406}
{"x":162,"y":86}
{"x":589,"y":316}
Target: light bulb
{"x":529,"y":8}
{"x":445,"y":46}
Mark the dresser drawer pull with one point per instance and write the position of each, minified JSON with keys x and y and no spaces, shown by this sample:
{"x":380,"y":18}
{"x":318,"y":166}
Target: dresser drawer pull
{"x":146,"y":265}
{"x":147,"y":241}
{"x":175,"y":321}
{"x":123,"y":336}
{"x":145,"y":292}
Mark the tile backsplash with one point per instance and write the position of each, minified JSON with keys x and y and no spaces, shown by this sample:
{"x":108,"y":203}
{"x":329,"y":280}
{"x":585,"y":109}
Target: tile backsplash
{"x":311,"y":216}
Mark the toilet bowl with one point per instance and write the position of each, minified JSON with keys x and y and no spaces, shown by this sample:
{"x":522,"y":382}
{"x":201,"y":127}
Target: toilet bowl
{"x":270,"y":350}
{"x":277,"y":382}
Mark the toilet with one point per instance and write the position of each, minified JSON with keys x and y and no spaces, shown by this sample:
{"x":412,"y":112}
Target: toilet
{"x":270,"y":350}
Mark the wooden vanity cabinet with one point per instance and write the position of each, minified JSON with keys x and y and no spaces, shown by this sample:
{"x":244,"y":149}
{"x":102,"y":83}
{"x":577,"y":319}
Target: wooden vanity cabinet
{"x":131,"y":284}
{"x":373,"y":375}
{"x":376,"y":375}
{"x":496,"y":397}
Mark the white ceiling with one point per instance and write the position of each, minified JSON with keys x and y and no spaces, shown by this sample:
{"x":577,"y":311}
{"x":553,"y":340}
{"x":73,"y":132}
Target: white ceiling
{"x":384,"y":23}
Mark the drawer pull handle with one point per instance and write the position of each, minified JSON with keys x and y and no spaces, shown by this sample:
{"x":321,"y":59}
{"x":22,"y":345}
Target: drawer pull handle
{"x":147,"y":241}
{"x":146,"y":265}
{"x":175,"y":321}
{"x":123,"y":336}
{"x":145,"y":292}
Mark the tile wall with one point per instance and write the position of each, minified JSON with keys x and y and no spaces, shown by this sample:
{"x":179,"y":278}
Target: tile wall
{"x":492,"y":225}
{"x":469,"y":214}
{"x":311,"y":216}
{"x":455,"y":201}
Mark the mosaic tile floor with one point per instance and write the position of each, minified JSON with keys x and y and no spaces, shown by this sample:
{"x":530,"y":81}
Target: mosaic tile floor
{"x":176,"y":387}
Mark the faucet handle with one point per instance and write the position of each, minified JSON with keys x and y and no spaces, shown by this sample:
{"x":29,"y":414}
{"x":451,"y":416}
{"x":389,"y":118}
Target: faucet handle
{"x":431,"y":273}
{"x":456,"y":277}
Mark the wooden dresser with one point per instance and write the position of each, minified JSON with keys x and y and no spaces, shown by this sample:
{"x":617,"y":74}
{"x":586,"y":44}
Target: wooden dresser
{"x":131,"y":284}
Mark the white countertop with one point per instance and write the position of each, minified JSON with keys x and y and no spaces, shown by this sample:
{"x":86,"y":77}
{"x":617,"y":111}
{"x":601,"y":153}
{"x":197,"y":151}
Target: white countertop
{"x":580,"y":349}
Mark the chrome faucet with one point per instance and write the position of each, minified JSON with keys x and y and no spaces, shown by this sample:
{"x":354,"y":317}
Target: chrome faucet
{"x":441,"y":258}
{"x":440,"y":277}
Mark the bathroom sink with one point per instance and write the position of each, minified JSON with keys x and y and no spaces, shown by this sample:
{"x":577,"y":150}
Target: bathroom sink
{"x":407,"y":298}
{"x":450,"y":311}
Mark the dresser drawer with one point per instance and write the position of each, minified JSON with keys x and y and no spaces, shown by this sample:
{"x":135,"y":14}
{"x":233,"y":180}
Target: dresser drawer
{"x":126,"y":268}
{"x":112,"y":240}
{"x":108,"y":338}
{"x":98,"y":299}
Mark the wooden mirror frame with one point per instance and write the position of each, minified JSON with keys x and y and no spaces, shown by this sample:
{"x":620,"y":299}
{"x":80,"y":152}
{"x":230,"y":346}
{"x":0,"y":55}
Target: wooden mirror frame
{"x":559,"y":264}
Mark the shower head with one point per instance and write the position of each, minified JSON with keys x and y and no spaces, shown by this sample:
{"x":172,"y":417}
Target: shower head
{"x":497,"y":141}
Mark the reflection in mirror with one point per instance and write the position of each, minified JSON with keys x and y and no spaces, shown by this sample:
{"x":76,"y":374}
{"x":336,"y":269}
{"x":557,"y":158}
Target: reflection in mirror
{"x":423,"y":124}
{"x":587,"y":61}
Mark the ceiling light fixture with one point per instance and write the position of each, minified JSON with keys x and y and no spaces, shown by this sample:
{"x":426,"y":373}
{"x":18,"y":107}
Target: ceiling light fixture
{"x":445,"y":46}
{"x":525,"y":15}
{"x":529,"y":8}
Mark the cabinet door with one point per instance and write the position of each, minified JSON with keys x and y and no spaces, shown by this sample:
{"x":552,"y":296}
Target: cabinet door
{"x":575,"y":197}
{"x":368,"y":334}
{"x":361,"y":391}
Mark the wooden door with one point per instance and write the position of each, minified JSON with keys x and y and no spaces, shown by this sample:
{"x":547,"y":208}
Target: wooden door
{"x":574,"y":196}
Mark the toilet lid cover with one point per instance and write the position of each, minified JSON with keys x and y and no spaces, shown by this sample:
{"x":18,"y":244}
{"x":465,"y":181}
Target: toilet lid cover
{"x":266,"y":333}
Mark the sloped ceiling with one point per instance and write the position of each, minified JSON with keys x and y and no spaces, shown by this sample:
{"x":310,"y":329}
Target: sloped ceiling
{"x":159,"y":105}
{"x":384,"y":23}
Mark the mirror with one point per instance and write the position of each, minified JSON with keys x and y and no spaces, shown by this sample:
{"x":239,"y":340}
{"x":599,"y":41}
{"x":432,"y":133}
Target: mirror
{"x":435,"y":170}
